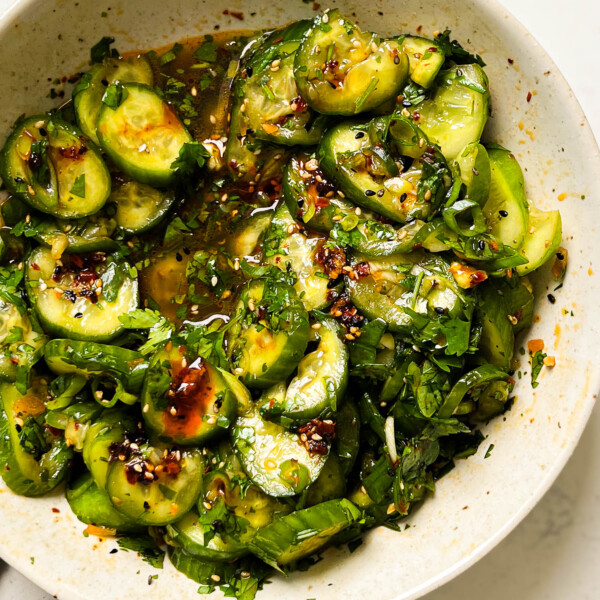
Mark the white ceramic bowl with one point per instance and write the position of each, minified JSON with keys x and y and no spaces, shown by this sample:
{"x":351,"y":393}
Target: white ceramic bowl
{"x":481,"y":500}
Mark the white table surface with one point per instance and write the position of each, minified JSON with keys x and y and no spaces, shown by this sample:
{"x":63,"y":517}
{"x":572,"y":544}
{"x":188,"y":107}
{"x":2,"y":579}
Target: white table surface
{"x":554,"y":553}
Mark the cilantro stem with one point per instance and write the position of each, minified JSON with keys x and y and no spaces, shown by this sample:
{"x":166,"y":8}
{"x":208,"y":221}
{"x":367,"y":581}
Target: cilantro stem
{"x":413,"y":302}
{"x":370,"y":89}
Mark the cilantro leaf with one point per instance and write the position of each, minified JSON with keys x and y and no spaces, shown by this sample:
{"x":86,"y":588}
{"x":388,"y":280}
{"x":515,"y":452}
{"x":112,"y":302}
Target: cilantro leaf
{"x":160,"y":328}
{"x":115,"y":95}
{"x":170,"y":55}
{"x":78,"y":188}
{"x":102,"y":50}
{"x":206,"y":53}
{"x":192,"y":157}
{"x":146,"y":547}
{"x":537,"y":363}
{"x":455,"y":52}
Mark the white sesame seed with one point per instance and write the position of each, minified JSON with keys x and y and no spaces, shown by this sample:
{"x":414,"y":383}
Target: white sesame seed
{"x":213,"y":119}
{"x":214,"y":281}
{"x":325,"y":18}
{"x":357,"y":211}
{"x":215,"y":577}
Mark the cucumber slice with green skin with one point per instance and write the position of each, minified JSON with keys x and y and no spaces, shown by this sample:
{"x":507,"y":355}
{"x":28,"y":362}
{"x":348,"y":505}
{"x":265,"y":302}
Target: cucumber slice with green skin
{"x":272,"y":456}
{"x":475,"y":172}
{"x":91,"y":505}
{"x":405,"y":281}
{"x":270,"y":333}
{"x":165,"y":489}
{"x":139,"y":207}
{"x":109,"y":428}
{"x":506,"y":210}
{"x":497,"y":337}
{"x":186,"y":402}
{"x":287,"y":247}
{"x":91,"y":359}
{"x":239,"y":390}
{"x":87,"y":95}
{"x":313,"y":202}
{"x":13,"y":210}
{"x":350,"y":154}
{"x":91,"y":234}
{"x":458,"y":110}
{"x":33,"y":461}
{"x":248,"y":234}
{"x":331,"y":483}
{"x":361,"y":70}
{"x":347,"y":440}
{"x":188,"y":534}
{"x":425,"y":59}
{"x":322,"y":377}
{"x":301,"y":533}
{"x":269,"y":100}
{"x":22,"y":350}
{"x":60,"y":294}
{"x":543,"y":238}
{"x":142,"y":135}
{"x":54,"y":168}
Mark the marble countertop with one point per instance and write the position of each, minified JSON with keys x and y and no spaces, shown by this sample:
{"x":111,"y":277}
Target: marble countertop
{"x":553,"y":554}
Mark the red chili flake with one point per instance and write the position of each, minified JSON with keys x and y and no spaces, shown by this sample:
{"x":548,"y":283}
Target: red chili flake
{"x":298,"y":104}
{"x":345,"y":312}
{"x":510,"y":61}
{"x":35,"y":266}
{"x":316,"y":436}
{"x":362,"y":270}
{"x":419,"y":28}
{"x":236,"y":14}
{"x":529,"y":96}
{"x":332,"y":260}
{"x":72,"y":152}
{"x":55,"y":510}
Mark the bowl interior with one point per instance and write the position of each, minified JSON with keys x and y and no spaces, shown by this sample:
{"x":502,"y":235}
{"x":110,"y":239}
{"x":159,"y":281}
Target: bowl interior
{"x":482,"y":499}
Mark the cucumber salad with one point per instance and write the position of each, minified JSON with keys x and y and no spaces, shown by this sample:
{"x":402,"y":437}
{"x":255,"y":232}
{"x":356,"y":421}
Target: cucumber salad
{"x":259,"y":291}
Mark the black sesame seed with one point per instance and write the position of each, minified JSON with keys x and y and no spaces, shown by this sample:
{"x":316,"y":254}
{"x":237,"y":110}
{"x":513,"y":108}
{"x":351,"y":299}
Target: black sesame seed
{"x":369,"y":193}
{"x":146,"y":506}
{"x":380,"y":193}
{"x":360,"y":134}
{"x":114,"y":551}
{"x":397,"y":59}
{"x":551,"y":299}
{"x":403,"y":198}
{"x":439,"y":310}
{"x":178,"y":257}
{"x":560,"y":256}
{"x":481,"y":245}
{"x":406,"y":103}
{"x":503,"y":213}
{"x":78,"y":315}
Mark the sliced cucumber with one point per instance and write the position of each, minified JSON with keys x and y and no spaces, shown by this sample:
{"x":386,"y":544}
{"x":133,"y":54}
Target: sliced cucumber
{"x":91,"y":359}
{"x":269,"y":334}
{"x":288,"y":248}
{"x":109,"y":428}
{"x":21,"y":344}
{"x":303,"y":532}
{"x":189,"y":534}
{"x":341,"y":70}
{"x":91,"y":505}
{"x":543,"y":238}
{"x":186,"y":402}
{"x":33,"y":461}
{"x":87,"y":96}
{"x":54,"y":168}
{"x":240,"y":391}
{"x":330,"y":485}
{"x":400,"y":282}
{"x":142,"y":135}
{"x":163,"y":491}
{"x":474,"y":167}
{"x":272,"y":456}
{"x":352,"y":155}
{"x":322,"y":377}
{"x":506,"y":210}
{"x":425,"y":59}
{"x":90,"y":234}
{"x":139,"y":207}
{"x":458,"y":110}
{"x":268,"y":98}
{"x":64,"y":294}
{"x":248,"y":234}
